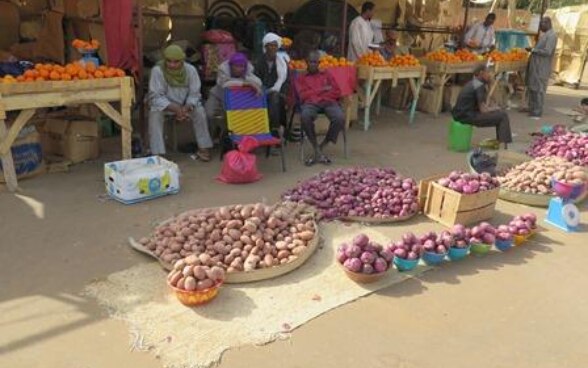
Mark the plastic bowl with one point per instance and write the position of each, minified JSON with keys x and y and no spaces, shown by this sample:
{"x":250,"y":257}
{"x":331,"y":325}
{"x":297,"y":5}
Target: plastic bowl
{"x":364,"y":278}
{"x":455,"y":254}
{"x":405,"y":264}
{"x":432,"y":259}
{"x":520,"y":239}
{"x":503,"y":245}
{"x":196,"y":298}
{"x":568,"y":190}
{"x":480,"y":249}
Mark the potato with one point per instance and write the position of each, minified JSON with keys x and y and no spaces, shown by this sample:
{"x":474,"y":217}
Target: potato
{"x":268,"y":260}
{"x":167,"y":258}
{"x":281,"y":245}
{"x":234,"y":224}
{"x":175,"y":246}
{"x":179,"y":265}
{"x":235,"y":234}
{"x":298,"y":250}
{"x":204,"y":258}
{"x":249,"y":226}
{"x":190,"y":283}
{"x":245,"y":239}
{"x":224,"y":213}
{"x":199,"y":272}
{"x":306,"y":235}
{"x":180,"y":283}
{"x":188,"y":271}
{"x":283,"y":254}
{"x":174,"y":277}
{"x":204,"y":284}
{"x":215,"y":235}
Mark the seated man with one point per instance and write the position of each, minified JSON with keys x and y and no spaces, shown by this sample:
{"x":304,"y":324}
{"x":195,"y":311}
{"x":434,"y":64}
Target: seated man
{"x":273,"y":72}
{"x":471,"y":107}
{"x":237,"y":71}
{"x":318,"y":93}
{"x":174,"y":87}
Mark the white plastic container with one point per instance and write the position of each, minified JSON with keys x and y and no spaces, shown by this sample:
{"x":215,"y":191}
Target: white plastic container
{"x":140,"y":179}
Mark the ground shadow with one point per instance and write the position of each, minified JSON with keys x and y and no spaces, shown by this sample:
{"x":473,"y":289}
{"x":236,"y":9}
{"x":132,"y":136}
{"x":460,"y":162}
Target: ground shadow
{"x":222,"y":309}
{"x":407,"y":288}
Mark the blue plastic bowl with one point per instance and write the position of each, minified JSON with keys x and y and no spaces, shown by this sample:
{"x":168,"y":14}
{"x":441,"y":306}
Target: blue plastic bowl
{"x":433,"y":259}
{"x":503,"y":245}
{"x":405,"y":264}
{"x":455,"y":254}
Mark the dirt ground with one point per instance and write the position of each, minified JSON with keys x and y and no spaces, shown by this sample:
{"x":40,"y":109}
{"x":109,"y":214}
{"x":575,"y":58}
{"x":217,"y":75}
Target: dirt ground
{"x":526,"y":308}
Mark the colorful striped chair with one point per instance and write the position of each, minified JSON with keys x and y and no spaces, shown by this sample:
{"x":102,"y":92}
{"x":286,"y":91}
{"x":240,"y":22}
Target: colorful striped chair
{"x":247,"y":116}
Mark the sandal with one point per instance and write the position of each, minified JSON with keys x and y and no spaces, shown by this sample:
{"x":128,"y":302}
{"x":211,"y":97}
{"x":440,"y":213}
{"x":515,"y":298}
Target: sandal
{"x":310,"y":161}
{"x":323,"y":159}
{"x":203,"y":155}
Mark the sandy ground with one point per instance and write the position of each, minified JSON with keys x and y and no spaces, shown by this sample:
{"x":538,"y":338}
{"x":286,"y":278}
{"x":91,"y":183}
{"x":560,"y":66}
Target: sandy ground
{"x":61,"y":233}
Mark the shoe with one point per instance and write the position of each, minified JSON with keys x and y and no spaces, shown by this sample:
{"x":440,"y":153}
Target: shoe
{"x":203,"y":155}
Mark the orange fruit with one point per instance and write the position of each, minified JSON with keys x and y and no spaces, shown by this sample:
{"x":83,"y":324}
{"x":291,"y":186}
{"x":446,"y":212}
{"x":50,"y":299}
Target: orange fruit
{"x":102,"y":68}
{"x":120,"y":73}
{"x":66,"y":76}
{"x":90,"y":67}
{"x":44,"y":73}
{"x":82,"y":74}
{"x":20,"y":78}
{"x":54,"y":75}
{"x":98,"y":74}
{"x":39,"y":79}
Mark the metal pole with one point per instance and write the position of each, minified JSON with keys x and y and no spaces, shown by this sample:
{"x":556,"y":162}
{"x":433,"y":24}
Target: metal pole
{"x":344,"y":29}
{"x":141,"y":74}
{"x":465,"y":22}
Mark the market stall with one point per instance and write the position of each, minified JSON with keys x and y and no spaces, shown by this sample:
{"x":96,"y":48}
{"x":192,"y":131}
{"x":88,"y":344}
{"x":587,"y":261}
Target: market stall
{"x":373,"y":78}
{"x":503,"y":67}
{"x":28,"y":97}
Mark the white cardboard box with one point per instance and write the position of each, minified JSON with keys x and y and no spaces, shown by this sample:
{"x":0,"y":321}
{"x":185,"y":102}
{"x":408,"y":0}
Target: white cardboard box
{"x":140,"y":179}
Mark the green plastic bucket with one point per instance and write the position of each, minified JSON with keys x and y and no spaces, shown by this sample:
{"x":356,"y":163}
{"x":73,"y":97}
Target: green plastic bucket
{"x":460,"y":136}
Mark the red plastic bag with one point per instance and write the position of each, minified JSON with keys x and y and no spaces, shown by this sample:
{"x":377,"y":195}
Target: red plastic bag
{"x":218,"y":36}
{"x":240,"y":166}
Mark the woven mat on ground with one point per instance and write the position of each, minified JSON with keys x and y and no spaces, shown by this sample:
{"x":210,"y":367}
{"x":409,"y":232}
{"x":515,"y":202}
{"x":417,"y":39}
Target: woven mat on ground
{"x":245,"y":314}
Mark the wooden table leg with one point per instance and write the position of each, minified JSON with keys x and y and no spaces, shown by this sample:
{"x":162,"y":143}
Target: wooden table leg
{"x":415,"y":87}
{"x":7,"y":162}
{"x":368,"y":104}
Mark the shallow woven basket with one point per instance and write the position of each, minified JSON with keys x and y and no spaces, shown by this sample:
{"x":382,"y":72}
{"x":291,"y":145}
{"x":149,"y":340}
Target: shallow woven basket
{"x":196,"y":297}
{"x":362,"y":278}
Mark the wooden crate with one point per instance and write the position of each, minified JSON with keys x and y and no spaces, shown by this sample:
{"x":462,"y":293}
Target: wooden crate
{"x":449,"y":207}
{"x":375,"y":72}
{"x":510,"y":66}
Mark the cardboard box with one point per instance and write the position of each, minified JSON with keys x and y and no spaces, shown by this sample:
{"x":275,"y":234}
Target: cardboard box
{"x":76,"y":139}
{"x":140,"y":179}
{"x":450,"y":97}
{"x":427,"y":101}
{"x":26,"y":154}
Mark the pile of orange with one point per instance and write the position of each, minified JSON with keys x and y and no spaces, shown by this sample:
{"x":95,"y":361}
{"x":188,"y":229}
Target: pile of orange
{"x":466,"y":55}
{"x":72,"y":71}
{"x":512,"y":55}
{"x":404,"y":60}
{"x":85,"y":45}
{"x":298,"y":64}
{"x":286,"y":42}
{"x":372,"y":58}
{"x":443,"y":56}
{"x":329,"y":61}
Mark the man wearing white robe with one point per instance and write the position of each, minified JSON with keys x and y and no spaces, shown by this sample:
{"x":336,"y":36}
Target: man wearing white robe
{"x":361,"y":34}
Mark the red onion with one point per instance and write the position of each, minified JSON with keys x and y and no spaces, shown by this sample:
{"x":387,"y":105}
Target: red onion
{"x":353,"y":264}
{"x":467,"y":183}
{"x":568,"y":145}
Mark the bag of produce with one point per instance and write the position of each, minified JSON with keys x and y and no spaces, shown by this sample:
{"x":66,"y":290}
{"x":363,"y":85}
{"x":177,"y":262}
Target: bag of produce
{"x":240,"y":166}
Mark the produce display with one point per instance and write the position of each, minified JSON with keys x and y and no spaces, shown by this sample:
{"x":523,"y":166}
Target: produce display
{"x":568,"y":145}
{"x":358,"y":192}
{"x":85,"y":46}
{"x":372,"y":58}
{"x":325,"y":62}
{"x":461,"y":236}
{"x":437,"y":243}
{"x":466,"y":55}
{"x":484,"y":233}
{"x":523,"y":225}
{"x":514,"y":54}
{"x":236,"y":238}
{"x":72,"y":71}
{"x":535,"y":176}
{"x":467,"y":183}
{"x":404,"y":61}
{"x":286,"y":42}
{"x":189,"y":274}
{"x":408,"y":248}
{"x":364,"y":256}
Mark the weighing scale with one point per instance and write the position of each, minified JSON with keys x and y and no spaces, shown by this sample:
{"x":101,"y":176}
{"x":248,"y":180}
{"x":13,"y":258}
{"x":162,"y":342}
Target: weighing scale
{"x":562,"y":212}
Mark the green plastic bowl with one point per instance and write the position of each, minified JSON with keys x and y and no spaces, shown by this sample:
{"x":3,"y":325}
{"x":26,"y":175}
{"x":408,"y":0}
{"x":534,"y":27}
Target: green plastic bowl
{"x":480,"y":249}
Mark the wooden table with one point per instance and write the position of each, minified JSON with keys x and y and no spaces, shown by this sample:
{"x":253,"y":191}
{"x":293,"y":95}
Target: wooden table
{"x":374,"y":76}
{"x":504,"y":67}
{"x":27,"y":97}
{"x":441,"y":73}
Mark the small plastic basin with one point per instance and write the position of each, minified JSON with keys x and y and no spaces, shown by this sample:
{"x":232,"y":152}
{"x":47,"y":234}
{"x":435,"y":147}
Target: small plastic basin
{"x":405,"y":264}
{"x":432,"y":259}
{"x":503,"y":245}
{"x":455,"y":254}
{"x":480,"y":249}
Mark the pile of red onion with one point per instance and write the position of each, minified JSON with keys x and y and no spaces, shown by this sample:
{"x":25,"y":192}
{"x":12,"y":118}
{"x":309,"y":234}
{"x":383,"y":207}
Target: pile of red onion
{"x":409,"y":248}
{"x":467,"y":183}
{"x":461,"y":236}
{"x":484,"y":233}
{"x":358,"y":192}
{"x":437,"y":243}
{"x":523,"y":225}
{"x":364,"y":256}
{"x":568,"y":145}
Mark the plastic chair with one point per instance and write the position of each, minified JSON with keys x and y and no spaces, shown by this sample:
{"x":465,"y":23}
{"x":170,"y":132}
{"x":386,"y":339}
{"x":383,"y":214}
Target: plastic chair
{"x":247,"y":116}
{"x":460,"y":136}
{"x":296,"y":110}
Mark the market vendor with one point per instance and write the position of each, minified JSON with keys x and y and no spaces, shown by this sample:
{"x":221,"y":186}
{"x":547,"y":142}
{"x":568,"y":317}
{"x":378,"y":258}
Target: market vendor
{"x":272,"y":70}
{"x":471,"y":107}
{"x":318,"y":93}
{"x":237,"y":71}
{"x":361,"y":34}
{"x":539,"y":68}
{"x":174,"y":87}
{"x":389,"y":48}
{"x":481,"y":37}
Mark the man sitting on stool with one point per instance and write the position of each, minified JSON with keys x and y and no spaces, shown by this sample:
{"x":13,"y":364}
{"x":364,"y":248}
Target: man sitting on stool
{"x":175,"y":87}
{"x":318,"y":93}
{"x":471,"y":107}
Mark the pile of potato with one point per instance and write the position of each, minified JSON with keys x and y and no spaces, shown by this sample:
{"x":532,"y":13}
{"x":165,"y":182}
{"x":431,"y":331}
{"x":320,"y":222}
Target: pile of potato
{"x":236,"y":238}
{"x":535,"y":176}
{"x":190,"y":275}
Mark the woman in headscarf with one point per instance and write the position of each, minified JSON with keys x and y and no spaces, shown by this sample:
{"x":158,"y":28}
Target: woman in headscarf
{"x":273,"y":72}
{"x":174,"y":87}
{"x":235,"y":71}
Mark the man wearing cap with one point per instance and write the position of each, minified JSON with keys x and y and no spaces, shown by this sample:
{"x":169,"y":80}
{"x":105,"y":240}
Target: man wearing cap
{"x":481,"y":38}
{"x":273,"y":72}
{"x":174,"y":87}
{"x":539,"y":68}
{"x":471,"y":107}
{"x":237,"y":71}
